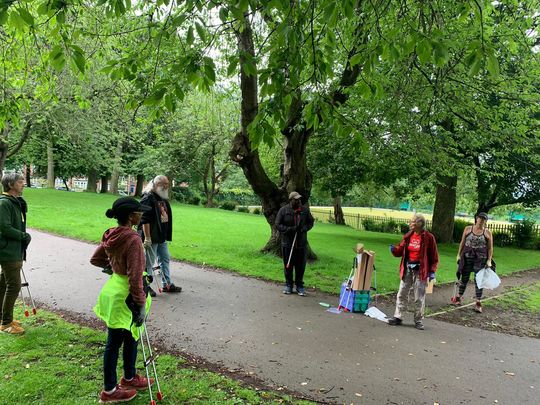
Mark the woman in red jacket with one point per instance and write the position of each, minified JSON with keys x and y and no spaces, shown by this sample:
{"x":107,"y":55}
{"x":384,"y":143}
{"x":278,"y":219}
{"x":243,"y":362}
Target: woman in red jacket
{"x":419,"y":259}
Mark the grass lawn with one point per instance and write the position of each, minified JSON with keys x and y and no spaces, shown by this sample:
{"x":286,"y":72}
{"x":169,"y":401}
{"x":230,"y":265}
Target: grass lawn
{"x":525,"y":299}
{"x":231,"y":240}
{"x":56,"y":362}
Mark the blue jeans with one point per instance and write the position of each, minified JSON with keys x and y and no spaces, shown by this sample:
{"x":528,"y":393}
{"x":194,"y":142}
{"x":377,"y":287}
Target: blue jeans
{"x":159,"y":251}
{"x":115,"y":338}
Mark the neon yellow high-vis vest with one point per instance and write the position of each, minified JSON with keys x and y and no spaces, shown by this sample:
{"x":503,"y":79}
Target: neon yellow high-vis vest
{"x":111,"y":305}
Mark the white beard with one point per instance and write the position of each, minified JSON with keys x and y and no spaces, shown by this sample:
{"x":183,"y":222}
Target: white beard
{"x":164,"y":194}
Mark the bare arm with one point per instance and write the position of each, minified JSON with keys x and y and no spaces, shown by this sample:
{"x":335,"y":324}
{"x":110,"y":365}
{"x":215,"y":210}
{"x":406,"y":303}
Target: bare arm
{"x":462,"y":243}
{"x":146,"y":231}
{"x":490,"y":245}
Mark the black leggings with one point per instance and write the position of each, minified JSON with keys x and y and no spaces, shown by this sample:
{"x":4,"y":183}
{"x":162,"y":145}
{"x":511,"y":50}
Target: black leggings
{"x":465,"y":276}
{"x":115,"y":339}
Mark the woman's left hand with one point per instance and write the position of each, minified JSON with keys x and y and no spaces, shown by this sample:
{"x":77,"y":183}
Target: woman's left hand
{"x":488,"y":263}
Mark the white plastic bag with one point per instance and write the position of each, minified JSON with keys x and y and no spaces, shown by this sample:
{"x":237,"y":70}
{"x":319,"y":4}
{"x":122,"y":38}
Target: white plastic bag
{"x":487,"y":278}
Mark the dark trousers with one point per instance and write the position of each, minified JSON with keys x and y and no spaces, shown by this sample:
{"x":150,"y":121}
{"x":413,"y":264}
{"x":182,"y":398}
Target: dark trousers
{"x":297,"y":265}
{"x":465,"y":277}
{"x":115,"y":339}
{"x":10,"y":286}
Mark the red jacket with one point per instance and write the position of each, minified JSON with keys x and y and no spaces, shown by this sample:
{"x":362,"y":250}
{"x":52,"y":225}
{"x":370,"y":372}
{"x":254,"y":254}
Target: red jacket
{"x":429,"y":256}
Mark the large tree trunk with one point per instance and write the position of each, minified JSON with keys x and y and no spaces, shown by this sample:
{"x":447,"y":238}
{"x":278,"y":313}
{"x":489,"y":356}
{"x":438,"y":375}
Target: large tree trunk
{"x":115,"y":176}
{"x":27,"y":175}
{"x":445,"y":209}
{"x":91,"y":184}
{"x":50,"y":163}
{"x":295,"y":175}
{"x":139,"y":185}
{"x":104,"y":184}
{"x":338,"y":211}
{"x":272,"y":197}
{"x":487,"y":192}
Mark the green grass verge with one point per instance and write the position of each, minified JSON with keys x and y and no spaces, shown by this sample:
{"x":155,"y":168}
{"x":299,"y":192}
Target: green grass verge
{"x":524,"y":299}
{"x":232,"y":240}
{"x":56,"y":362}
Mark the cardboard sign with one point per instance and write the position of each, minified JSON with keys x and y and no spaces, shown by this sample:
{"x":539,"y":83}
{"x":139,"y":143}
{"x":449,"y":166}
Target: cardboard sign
{"x":363,"y":271}
{"x":429,"y":287}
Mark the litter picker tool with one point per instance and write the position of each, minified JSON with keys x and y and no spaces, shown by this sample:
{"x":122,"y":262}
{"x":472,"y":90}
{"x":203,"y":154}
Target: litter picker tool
{"x":25,"y":284}
{"x":290,"y":254}
{"x":149,"y":357}
{"x":156,"y":275}
{"x":149,"y":360}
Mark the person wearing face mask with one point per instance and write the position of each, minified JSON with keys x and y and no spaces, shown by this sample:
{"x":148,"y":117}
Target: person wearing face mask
{"x":475,"y":252}
{"x":156,"y":229}
{"x":293,"y":221}
{"x":419,"y":260}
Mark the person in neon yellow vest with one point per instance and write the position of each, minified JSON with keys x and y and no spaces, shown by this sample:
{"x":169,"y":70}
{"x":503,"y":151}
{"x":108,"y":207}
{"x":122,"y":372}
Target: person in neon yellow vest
{"x":121,"y":249}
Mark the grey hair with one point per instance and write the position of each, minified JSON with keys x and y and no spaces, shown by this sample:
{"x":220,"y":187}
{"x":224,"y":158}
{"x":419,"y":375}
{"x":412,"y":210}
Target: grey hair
{"x":151,"y":186}
{"x":421,"y":218}
{"x":9,"y":179}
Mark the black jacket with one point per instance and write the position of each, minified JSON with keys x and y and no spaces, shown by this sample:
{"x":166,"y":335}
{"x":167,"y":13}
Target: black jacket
{"x":286,"y":222}
{"x":159,"y":232}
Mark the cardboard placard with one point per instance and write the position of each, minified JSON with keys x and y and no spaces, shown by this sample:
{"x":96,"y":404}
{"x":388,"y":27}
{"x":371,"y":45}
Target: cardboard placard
{"x":363,"y":271}
{"x":429,"y":287}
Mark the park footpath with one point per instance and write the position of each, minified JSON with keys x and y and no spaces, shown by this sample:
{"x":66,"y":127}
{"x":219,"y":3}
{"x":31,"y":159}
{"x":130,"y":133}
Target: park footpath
{"x":289,"y":342}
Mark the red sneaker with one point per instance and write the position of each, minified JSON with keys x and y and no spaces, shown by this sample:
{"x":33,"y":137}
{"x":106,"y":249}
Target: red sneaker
{"x":137,"y":383}
{"x":478,"y":307}
{"x":118,"y":395}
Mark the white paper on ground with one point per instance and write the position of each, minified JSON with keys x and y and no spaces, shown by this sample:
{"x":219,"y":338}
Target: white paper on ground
{"x":334,"y":310}
{"x":374,"y":312}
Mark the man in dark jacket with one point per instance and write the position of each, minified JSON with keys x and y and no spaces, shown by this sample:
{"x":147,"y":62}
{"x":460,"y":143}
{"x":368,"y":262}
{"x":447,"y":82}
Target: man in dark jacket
{"x":156,"y":226}
{"x":13,"y":243}
{"x":294,"y":221}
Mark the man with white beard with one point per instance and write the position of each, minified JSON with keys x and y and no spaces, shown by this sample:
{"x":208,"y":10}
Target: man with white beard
{"x":156,"y":225}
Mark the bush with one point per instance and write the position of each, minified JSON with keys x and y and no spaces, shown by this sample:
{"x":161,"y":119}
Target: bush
{"x":242,"y":208}
{"x":228,"y":205}
{"x":501,"y":239}
{"x":186,"y":195}
{"x":369,"y":224}
{"x":459,"y":227}
{"x":404,"y":228}
{"x":523,"y":233}
{"x":257,"y":211}
{"x":536,"y":243}
{"x":390,"y":226}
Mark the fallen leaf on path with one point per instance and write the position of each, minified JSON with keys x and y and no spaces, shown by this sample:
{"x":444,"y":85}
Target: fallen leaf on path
{"x":357,"y":394}
{"x":509,"y":373}
{"x":304,"y":383}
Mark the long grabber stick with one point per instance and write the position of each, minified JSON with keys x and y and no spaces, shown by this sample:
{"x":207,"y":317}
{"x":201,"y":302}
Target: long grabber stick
{"x":25,"y":284}
{"x":149,"y":360}
{"x":156,"y":274}
{"x":290,"y":254}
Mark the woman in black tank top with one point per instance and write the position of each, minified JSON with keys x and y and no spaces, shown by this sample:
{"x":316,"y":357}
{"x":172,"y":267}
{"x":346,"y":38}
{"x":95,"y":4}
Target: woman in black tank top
{"x":475,"y":252}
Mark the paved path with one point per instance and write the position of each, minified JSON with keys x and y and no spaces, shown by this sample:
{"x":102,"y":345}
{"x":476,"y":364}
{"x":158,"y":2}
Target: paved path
{"x":290,"y":341}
